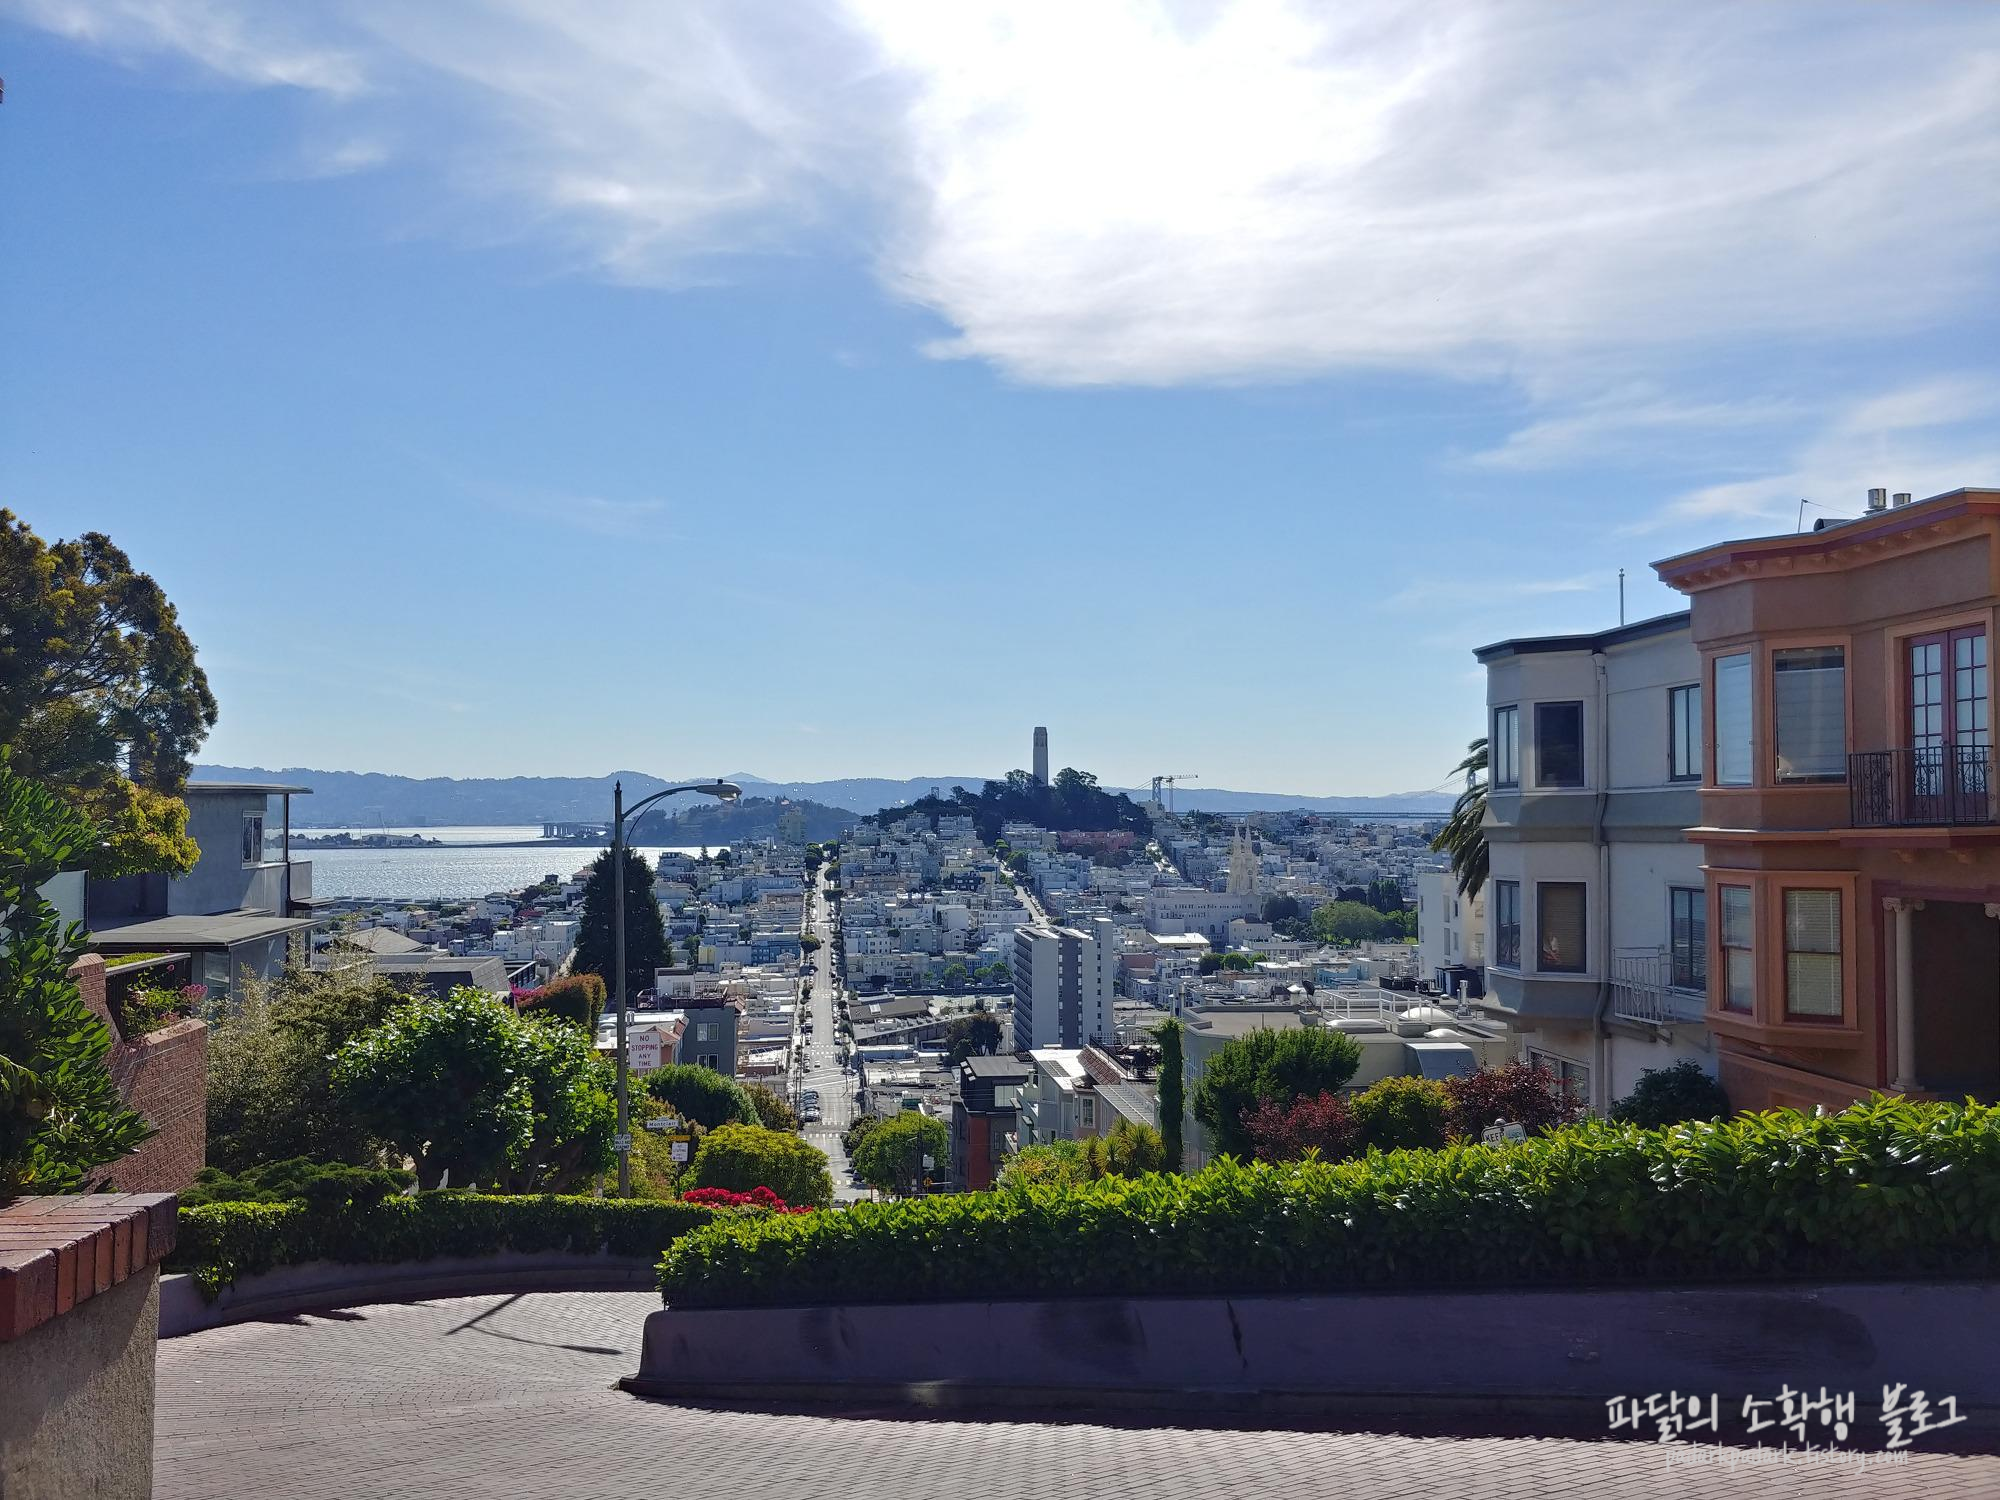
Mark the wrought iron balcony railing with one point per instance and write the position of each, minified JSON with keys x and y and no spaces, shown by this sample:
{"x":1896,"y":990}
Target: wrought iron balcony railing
{"x":1925,"y":786}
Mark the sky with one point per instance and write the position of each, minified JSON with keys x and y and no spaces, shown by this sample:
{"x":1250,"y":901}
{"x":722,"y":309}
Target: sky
{"x":826,"y":390}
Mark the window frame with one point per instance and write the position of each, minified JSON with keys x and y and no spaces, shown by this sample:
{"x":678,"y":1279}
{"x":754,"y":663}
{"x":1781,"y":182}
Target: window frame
{"x":1721,"y":997}
{"x":1511,"y":740}
{"x":1542,"y":779}
{"x":1542,"y":889}
{"x":1501,"y":925}
{"x":1684,"y":753}
{"x":1778,"y":650}
{"x":1838,"y":953}
{"x":253,"y":842}
{"x":1748,"y":657}
{"x":1695,"y":899}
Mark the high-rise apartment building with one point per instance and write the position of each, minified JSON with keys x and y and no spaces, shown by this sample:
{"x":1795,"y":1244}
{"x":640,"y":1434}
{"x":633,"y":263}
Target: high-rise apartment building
{"x":1064,"y":979}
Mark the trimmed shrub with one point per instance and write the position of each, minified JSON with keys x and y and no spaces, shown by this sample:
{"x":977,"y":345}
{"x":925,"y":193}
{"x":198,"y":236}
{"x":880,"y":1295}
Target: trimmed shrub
{"x":702,"y":1095}
{"x":1280,"y":1065}
{"x":222,"y":1241}
{"x":1402,"y":1114}
{"x":323,"y":1185}
{"x":1669,"y":1096}
{"x":577,"y":998}
{"x":1885,"y":1188}
{"x":1128,"y":1151}
{"x":743,"y":1157}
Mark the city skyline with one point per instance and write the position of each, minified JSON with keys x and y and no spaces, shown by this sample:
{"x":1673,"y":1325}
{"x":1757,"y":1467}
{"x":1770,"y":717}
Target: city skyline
{"x":498,"y":394}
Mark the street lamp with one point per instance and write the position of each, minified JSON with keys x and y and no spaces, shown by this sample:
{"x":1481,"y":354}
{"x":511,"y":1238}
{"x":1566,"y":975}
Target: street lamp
{"x":726,"y":791}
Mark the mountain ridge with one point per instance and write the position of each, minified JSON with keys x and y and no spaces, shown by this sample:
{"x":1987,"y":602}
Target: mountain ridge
{"x":376,"y":798}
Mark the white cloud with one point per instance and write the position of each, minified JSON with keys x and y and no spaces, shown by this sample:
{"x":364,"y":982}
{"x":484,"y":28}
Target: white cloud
{"x":1174,"y":191}
{"x":1924,"y":438}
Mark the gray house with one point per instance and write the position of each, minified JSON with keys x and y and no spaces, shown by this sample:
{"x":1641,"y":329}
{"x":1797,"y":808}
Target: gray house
{"x":239,"y":910}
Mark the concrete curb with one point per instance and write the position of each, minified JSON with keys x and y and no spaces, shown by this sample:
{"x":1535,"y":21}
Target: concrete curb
{"x":1522,"y":1354}
{"x":320,"y":1285}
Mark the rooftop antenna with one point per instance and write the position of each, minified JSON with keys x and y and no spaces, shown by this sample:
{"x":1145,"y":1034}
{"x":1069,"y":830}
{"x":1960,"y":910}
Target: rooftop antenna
{"x":1621,"y":596}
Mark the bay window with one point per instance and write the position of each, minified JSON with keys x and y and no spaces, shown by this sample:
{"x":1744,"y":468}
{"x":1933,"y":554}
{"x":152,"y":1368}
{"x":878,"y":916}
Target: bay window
{"x":1739,"y":949}
{"x":1506,"y":750}
{"x":1809,"y":709}
{"x":1507,"y":923}
{"x":1558,"y":744}
{"x":1732,"y":720}
{"x":1812,"y":955}
{"x":1559,"y":928}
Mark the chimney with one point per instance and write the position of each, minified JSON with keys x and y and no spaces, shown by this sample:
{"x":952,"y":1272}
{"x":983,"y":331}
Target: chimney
{"x":1900,"y":498}
{"x":1878,"y":500}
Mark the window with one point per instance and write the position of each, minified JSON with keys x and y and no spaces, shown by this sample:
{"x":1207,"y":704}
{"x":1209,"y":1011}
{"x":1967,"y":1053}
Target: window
{"x":1558,"y":744}
{"x":1574,"y":1077}
{"x":1505,"y":752}
{"x":1739,"y":958}
{"x":1732,"y":720}
{"x":1559,"y":928}
{"x":253,"y":838}
{"x":1687,"y":938}
{"x":1809,"y":705}
{"x":1812,"y":955}
{"x":1507,"y":923}
{"x":1684,"y":733}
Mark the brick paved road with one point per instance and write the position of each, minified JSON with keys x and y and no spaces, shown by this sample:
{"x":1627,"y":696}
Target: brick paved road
{"x":494,"y":1396}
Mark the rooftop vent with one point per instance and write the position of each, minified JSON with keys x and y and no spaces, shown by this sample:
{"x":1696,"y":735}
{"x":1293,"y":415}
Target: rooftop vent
{"x":1901,"y":497}
{"x":1878,"y":499}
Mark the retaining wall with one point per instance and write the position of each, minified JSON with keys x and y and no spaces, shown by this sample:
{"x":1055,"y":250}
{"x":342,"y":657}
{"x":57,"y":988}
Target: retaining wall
{"x":1540,"y":1350}
{"x":321,"y":1285}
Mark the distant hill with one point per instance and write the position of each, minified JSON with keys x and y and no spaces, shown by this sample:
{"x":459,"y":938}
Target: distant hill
{"x":369,"y":799}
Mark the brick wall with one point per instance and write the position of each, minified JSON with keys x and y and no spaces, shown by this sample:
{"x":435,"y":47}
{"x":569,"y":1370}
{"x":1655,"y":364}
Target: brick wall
{"x":164,"y":1076}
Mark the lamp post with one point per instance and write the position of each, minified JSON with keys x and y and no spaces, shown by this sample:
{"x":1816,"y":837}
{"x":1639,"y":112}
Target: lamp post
{"x":722,"y":790}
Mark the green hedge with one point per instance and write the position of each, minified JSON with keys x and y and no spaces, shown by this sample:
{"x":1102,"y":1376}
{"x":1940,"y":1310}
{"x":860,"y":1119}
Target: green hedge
{"x":1883,"y":1188}
{"x":222,"y":1241}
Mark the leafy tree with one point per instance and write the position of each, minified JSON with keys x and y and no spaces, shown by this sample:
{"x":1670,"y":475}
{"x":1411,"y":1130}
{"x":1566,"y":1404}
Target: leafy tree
{"x":702,"y":1096}
{"x":1209,"y":963}
{"x":1279,"y":1065}
{"x":1281,"y":909}
{"x":808,"y":944}
{"x":1129,"y":1150}
{"x":60,"y":1117}
{"x":892,"y":1154}
{"x":645,"y":932}
{"x":1403,"y":1113}
{"x":742,"y":1157}
{"x":1532,"y":1097}
{"x":1347,"y":922}
{"x":1173,"y":1091}
{"x":1051,"y":1164}
{"x":857,"y":1132}
{"x":327,"y":1186}
{"x":1238,"y":963}
{"x":100,"y":696}
{"x":956,"y":974}
{"x":774,"y":1110}
{"x":270,"y":1092}
{"x":1285,"y":1132}
{"x":463,"y":1084}
{"x":975,"y":1035}
{"x":1463,"y":836}
{"x":691,"y":946}
{"x":576,"y":998}
{"x":1671,"y":1096}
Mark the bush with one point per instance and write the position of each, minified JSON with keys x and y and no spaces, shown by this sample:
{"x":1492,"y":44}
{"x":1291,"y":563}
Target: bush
{"x":222,"y":1241}
{"x":774,"y":1110}
{"x":1285,"y":1132}
{"x":757,"y":1197}
{"x":1060,"y":1163}
{"x":577,"y":998}
{"x":1402,"y":1113}
{"x":1669,"y":1096}
{"x":1529,"y":1096}
{"x":702,"y":1096}
{"x":1277,"y":1065}
{"x":1887,"y":1188}
{"x":322,"y":1185}
{"x":743,"y":1157}
{"x":857,"y":1132}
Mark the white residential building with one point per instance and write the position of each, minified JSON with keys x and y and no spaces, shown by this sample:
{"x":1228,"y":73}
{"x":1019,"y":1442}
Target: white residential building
{"x":1596,"y":919}
{"x":1064,"y":983}
{"x":1451,"y":931}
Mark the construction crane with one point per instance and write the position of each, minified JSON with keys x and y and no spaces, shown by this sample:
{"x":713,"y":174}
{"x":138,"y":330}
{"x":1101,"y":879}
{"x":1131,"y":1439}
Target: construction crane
{"x":1170,"y":780}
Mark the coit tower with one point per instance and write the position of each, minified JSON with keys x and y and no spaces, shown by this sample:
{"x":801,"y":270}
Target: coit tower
{"x":1041,"y":755}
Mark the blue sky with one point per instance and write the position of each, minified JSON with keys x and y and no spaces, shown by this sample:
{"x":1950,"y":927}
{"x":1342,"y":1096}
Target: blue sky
{"x":842,"y":390}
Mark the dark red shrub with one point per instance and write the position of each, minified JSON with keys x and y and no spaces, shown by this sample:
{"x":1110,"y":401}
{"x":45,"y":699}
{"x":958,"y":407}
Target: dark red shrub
{"x":1532,"y":1096}
{"x":1319,"y":1122}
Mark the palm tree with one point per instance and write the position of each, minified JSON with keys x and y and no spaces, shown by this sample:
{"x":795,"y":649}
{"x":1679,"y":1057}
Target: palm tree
{"x":1463,"y":836}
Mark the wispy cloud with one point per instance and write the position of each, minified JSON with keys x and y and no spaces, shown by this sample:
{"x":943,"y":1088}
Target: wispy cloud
{"x":1629,"y":425}
{"x":1924,"y":437}
{"x":1149,"y":192}
{"x":1491,"y":591}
